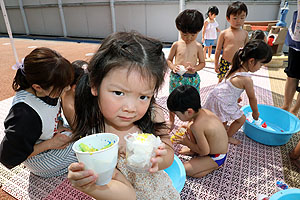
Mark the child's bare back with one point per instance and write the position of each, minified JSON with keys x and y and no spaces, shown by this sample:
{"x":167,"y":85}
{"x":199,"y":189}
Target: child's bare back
{"x":208,"y":125}
{"x":233,"y":39}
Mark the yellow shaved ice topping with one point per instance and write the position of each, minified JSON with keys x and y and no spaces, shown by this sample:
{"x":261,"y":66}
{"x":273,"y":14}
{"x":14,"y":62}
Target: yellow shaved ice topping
{"x":142,"y":137}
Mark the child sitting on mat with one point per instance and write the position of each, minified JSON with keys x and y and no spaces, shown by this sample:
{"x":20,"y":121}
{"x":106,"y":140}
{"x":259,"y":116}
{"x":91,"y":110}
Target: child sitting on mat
{"x":206,"y":135}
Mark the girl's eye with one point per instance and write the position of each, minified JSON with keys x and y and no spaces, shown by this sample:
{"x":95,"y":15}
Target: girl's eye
{"x":118,"y":93}
{"x":144,"y":98}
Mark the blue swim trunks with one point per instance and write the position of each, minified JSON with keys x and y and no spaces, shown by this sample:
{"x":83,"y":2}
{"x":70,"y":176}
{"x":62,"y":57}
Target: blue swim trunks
{"x":208,"y":43}
{"x":218,"y":158}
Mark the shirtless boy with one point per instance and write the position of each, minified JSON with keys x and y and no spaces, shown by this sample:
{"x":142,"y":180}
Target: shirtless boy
{"x":232,"y":38}
{"x":188,"y":53}
{"x":206,"y":135}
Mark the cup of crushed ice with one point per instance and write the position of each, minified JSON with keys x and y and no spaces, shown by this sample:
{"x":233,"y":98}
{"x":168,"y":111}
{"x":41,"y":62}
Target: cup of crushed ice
{"x":140,"y":148}
{"x":98,"y":152}
{"x":182,"y":70}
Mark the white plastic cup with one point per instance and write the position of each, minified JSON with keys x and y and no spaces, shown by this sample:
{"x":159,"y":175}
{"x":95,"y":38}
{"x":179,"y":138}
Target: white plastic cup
{"x":182,"y":70}
{"x":103,"y":161}
{"x":138,"y":154}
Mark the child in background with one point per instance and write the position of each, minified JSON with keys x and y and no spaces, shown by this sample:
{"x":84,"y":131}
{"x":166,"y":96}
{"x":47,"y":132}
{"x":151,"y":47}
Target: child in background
{"x":258,"y":35}
{"x":32,"y":130}
{"x":68,"y":97}
{"x":231,"y":39}
{"x":118,"y":94}
{"x":223,"y":99}
{"x":206,"y":136}
{"x":186,"y":51}
{"x":210,"y":29}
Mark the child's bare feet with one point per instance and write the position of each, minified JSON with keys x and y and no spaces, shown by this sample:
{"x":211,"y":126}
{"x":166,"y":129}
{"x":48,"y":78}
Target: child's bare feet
{"x":232,"y":140}
{"x":186,"y":151}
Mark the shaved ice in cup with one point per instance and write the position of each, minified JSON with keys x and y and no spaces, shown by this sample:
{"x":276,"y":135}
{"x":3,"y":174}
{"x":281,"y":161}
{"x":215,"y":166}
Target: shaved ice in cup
{"x":182,"y":70}
{"x":140,"y":148}
{"x":98,"y":152}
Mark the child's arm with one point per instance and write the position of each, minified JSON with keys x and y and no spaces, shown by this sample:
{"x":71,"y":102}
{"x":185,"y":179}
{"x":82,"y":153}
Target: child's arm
{"x":201,"y":63}
{"x":248,"y":85}
{"x":171,"y":56}
{"x":84,"y":180}
{"x":200,"y":146}
{"x":203,"y":30}
{"x":247,"y":37}
{"x":218,"y":51}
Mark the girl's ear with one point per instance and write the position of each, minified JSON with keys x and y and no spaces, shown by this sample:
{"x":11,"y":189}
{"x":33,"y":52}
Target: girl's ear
{"x":190,"y":111}
{"x":73,"y":87}
{"x":37,"y":87}
{"x":94,"y":91}
{"x":251,"y":62}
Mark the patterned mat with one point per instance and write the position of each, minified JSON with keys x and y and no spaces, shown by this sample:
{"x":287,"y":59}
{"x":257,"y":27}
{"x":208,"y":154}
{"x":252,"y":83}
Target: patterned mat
{"x":291,"y":172}
{"x":250,"y":168}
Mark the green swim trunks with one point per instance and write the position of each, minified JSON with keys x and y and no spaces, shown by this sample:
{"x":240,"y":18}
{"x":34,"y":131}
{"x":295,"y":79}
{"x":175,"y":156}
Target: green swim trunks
{"x":186,"y":79}
{"x":224,"y":67}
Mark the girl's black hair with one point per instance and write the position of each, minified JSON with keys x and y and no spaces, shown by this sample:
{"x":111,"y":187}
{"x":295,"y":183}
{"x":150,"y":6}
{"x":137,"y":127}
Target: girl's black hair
{"x":184,"y":97}
{"x":45,"y":67}
{"x":189,"y":21}
{"x":256,"y":49}
{"x":78,"y":66}
{"x":130,"y":50}
{"x":236,"y":8}
{"x":212,"y":10}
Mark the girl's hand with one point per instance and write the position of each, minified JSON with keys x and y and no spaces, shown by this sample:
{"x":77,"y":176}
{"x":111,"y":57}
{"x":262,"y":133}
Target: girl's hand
{"x":59,"y":141}
{"x":81,"y":179}
{"x":62,"y":129}
{"x":255,"y":115}
{"x":176,"y":69}
{"x":159,"y":153}
{"x":203,"y":40}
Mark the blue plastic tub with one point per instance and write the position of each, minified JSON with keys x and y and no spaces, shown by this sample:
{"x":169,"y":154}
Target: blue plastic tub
{"x":281,"y":125}
{"x":289,"y":194}
{"x":177,"y":173}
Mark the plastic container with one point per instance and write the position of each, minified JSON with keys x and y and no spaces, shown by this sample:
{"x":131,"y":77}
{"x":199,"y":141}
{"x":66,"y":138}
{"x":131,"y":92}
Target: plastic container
{"x":103,"y":161}
{"x":139,"y":150}
{"x":281,"y":125}
{"x":289,"y":194}
{"x":177,"y":173}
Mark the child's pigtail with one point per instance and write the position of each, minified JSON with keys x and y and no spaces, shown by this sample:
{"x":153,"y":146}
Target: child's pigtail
{"x":86,"y":109}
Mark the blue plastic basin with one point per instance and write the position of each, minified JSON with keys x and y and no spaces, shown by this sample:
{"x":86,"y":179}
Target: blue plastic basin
{"x":283,"y":124}
{"x":177,"y":173}
{"x":289,"y":194}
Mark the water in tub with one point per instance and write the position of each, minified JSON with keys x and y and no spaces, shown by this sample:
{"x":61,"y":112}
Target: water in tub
{"x":266,"y":125}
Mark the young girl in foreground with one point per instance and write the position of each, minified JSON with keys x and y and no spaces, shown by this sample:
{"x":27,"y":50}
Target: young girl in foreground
{"x":118,"y":94}
{"x":223,"y":100}
{"x":32,"y":129}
